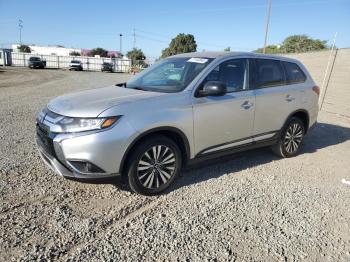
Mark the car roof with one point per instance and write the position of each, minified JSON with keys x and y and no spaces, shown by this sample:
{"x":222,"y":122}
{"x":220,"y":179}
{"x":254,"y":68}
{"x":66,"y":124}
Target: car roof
{"x":224,"y":54}
{"x":209,"y":54}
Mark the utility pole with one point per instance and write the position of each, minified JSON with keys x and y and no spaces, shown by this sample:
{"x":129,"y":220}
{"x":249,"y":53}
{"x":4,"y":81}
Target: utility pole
{"x":20,"y":26}
{"x":120,"y":43}
{"x":134,"y":35}
{"x":267,"y":24}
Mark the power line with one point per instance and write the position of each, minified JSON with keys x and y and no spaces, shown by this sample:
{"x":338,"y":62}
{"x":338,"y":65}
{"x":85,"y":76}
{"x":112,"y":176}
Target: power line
{"x":211,"y":10}
{"x":152,"y":39}
{"x":169,"y":39}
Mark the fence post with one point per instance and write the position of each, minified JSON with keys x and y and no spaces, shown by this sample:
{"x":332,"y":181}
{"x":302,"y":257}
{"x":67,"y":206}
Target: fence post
{"x":3,"y":57}
{"x":24,"y":59}
{"x":329,"y":78}
{"x":58,"y":62}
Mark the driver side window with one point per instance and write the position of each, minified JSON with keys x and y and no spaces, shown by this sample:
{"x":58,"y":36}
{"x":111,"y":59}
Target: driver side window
{"x":233,"y":73}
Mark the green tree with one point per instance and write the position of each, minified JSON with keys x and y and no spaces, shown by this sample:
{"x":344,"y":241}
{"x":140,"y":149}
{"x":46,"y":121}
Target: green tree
{"x":99,"y":51}
{"x":136,"y":54}
{"x":137,"y":57}
{"x":295,"y":44}
{"x":271,"y":49}
{"x":24,"y":49}
{"x":182,"y":43}
{"x":227,"y":49}
{"x":74,"y":53}
{"x":303,"y":43}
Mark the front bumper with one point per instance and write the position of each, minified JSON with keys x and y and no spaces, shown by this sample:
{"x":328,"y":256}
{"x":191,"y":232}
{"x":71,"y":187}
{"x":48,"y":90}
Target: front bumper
{"x":103,"y":149}
{"x":63,"y":169}
{"x":54,"y":164}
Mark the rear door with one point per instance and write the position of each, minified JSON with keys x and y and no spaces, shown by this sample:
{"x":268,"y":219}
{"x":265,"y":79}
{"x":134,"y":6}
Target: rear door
{"x":275,"y":100}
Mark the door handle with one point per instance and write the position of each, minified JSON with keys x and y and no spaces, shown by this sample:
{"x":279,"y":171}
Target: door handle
{"x":289,"y":98}
{"x":247,"y":105}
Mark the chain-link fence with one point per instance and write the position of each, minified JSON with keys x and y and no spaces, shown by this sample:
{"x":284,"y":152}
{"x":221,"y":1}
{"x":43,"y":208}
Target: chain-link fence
{"x":88,"y":63}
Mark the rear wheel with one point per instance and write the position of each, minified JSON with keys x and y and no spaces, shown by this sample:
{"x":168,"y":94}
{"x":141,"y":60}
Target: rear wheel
{"x":291,"y":138}
{"x":153,"y":165}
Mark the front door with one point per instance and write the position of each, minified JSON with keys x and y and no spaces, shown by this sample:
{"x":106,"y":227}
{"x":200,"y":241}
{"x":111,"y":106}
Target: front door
{"x":225,"y":121}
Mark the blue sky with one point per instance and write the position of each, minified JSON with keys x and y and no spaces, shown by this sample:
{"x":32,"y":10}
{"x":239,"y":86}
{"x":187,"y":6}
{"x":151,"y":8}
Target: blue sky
{"x":215,"y":24}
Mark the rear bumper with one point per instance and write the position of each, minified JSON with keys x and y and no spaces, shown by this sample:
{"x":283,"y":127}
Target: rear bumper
{"x":79,"y":68}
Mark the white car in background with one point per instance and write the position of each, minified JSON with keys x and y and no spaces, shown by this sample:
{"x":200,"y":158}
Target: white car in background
{"x":76,"y":65}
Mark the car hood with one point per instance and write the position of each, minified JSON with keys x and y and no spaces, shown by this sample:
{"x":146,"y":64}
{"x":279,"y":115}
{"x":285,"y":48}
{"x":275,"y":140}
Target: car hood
{"x":91,"y":103}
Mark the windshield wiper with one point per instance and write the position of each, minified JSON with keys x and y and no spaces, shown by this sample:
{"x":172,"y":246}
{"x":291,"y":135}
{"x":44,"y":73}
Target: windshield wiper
{"x":121,"y":84}
{"x":139,"y":88}
{"x":136,"y":87}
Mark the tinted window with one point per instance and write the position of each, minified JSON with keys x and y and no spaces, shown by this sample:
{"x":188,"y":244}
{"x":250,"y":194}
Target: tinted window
{"x":34,"y":59}
{"x":293,"y":73}
{"x":269,"y":73}
{"x":232,"y":73}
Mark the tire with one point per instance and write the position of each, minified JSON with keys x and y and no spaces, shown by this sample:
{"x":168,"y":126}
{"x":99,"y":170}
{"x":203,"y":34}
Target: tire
{"x":291,"y":138}
{"x":153,"y":165}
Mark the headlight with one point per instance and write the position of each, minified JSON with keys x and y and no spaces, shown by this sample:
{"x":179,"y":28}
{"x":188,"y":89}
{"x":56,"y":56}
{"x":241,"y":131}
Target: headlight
{"x":71,"y":124}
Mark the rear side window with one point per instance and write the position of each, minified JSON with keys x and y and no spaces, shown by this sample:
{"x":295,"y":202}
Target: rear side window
{"x":269,"y":73}
{"x":293,"y":73}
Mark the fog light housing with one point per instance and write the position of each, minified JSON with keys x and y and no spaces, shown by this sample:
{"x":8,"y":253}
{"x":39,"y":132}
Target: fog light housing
{"x":85,"y":167}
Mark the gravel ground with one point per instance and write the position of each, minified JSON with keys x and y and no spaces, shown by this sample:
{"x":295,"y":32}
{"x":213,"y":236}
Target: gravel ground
{"x":251,"y":206}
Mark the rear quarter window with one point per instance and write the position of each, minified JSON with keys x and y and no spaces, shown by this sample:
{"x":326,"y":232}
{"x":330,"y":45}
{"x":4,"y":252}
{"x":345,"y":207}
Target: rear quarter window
{"x":269,"y":73}
{"x":294,"y":74}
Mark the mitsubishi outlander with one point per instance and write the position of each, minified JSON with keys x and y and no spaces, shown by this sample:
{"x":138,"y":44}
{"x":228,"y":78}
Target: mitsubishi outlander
{"x":185,"y":108}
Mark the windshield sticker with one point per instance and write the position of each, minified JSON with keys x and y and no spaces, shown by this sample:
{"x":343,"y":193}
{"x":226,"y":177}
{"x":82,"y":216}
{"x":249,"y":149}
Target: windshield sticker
{"x":197,"y":60}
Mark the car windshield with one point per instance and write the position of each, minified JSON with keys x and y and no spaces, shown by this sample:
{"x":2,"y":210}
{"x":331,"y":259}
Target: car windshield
{"x":169,"y":75}
{"x":34,"y":59}
{"x":75,"y":61}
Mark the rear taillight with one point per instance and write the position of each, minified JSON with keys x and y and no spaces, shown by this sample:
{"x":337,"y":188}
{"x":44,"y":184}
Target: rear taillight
{"x":317,"y":90}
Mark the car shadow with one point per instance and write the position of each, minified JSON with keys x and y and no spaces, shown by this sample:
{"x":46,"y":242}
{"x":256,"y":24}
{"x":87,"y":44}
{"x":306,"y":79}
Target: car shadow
{"x":322,"y":136}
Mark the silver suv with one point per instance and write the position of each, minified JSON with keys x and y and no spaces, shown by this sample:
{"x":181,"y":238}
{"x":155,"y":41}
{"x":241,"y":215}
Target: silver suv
{"x":185,"y":108}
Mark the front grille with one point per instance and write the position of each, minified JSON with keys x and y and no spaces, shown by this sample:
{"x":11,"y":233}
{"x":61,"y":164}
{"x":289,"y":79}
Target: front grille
{"x":45,"y":139}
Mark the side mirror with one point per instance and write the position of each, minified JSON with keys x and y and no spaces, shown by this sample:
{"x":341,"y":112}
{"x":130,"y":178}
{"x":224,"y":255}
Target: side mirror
{"x":213,"y":88}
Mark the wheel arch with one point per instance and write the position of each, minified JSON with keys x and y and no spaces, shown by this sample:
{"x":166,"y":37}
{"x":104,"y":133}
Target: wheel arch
{"x":303,"y":115}
{"x":173,"y":133}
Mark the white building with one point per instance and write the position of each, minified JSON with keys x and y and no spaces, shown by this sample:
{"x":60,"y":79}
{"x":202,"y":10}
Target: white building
{"x":49,"y":50}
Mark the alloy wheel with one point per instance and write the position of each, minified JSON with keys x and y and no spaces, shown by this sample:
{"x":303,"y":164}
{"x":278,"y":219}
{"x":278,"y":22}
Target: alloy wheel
{"x":293,"y":138}
{"x":156,"y":166}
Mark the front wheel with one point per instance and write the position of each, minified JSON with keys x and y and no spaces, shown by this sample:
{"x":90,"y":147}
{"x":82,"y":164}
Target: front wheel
{"x":153,"y":165}
{"x":291,"y":138}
